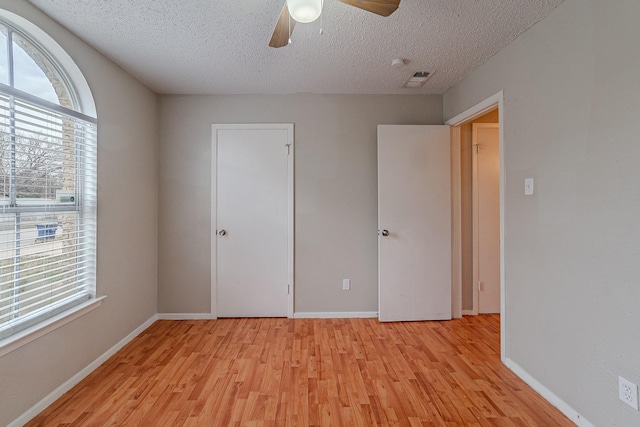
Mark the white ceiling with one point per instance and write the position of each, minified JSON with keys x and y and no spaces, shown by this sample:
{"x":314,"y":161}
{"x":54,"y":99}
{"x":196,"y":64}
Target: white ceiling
{"x":221,"y":46}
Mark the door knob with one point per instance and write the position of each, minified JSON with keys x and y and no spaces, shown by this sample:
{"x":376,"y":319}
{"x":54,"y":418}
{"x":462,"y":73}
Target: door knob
{"x":222,"y":232}
{"x":385,"y":233}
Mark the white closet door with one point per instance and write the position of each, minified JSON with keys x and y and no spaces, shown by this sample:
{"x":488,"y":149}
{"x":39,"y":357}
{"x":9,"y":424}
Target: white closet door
{"x":252,"y":220}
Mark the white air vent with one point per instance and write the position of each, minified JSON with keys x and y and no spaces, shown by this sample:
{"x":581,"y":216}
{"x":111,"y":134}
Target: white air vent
{"x":417,"y":80}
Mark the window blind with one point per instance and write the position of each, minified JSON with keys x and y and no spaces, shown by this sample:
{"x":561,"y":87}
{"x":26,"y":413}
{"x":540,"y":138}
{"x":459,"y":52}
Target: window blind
{"x":47,"y":209}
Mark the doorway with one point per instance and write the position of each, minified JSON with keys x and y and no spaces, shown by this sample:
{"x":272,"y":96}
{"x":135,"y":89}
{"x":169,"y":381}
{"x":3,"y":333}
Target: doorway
{"x":462,"y":296}
{"x":252,"y":220}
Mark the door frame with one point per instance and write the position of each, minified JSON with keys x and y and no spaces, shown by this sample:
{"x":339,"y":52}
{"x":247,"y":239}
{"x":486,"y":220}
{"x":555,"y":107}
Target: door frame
{"x":290,"y":207}
{"x":475,"y":213}
{"x":489,"y":104}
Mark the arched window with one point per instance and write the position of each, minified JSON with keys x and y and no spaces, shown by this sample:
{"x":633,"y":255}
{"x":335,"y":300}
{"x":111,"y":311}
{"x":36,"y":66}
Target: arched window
{"x":47,"y":185}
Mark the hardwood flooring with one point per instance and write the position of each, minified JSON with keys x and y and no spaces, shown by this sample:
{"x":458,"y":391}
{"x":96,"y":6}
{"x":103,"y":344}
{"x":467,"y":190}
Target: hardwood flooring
{"x":306,"y":372}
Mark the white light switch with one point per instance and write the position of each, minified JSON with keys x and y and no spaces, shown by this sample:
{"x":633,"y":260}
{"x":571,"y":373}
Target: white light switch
{"x":528,"y":186}
{"x":346,"y":284}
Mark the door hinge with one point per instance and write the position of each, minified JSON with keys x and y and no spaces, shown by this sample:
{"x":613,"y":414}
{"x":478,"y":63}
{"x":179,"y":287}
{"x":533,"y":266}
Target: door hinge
{"x":479,"y":286}
{"x":288,"y":149}
{"x":288,"y":289}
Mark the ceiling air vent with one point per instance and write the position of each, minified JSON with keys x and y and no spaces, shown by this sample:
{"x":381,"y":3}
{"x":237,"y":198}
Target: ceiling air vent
{"x":417,"y":80}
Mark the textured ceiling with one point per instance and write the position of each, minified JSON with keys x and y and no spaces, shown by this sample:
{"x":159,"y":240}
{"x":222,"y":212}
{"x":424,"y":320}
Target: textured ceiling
{"x":221,"y":46}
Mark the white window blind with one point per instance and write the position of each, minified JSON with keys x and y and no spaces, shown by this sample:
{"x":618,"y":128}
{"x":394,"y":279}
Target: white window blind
{"x":47,"y":209}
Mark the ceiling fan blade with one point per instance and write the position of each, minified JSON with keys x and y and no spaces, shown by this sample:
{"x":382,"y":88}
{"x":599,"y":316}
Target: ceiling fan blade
{"x":284,"y":28}
{"x":379,"y":7}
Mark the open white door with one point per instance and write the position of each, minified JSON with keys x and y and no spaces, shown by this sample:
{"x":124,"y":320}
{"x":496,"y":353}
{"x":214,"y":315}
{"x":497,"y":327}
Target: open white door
{"x":414,"y":220}
{"x":486,"y":217}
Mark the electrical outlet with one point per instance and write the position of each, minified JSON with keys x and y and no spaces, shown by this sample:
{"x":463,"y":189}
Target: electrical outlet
{"x":346,"y":284}
{"x":628,"y":392}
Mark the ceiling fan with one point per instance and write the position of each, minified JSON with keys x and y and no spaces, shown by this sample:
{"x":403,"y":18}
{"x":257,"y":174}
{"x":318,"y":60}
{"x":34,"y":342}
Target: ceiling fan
{"x":309,"y":10}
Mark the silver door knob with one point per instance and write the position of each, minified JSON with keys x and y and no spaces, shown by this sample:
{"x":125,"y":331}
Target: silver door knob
{"x":222,"y":232}
{"x":385,"y":233}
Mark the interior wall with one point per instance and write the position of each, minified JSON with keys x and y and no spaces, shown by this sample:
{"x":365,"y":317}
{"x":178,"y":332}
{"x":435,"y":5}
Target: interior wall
{"x":571,"y":104}
{"x":466,"y":206}
{"x":335,"y":191}
{"x":127,"y":230}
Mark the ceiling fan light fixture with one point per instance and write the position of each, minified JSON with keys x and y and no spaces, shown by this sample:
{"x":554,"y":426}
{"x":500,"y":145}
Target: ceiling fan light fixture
{"x":304,"y":11}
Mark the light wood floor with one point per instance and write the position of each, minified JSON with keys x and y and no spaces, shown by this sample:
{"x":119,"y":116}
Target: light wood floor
{"x":321,"y":372}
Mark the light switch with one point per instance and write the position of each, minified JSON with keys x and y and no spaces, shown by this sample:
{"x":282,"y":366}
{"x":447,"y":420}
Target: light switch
{"x":528,"y":186}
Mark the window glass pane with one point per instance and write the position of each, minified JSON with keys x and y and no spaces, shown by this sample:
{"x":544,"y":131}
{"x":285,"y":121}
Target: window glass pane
{"x":48,"y":272}
{"x":28,"y":74}
{"x":4,"y":61}
{"x":39,"y":171}
{"x":40,"y":155}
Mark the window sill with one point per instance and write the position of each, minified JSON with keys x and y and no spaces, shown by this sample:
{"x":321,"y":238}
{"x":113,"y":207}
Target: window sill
{"x":22,"y":338}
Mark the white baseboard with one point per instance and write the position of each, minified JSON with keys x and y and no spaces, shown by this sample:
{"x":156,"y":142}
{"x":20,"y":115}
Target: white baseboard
{"x":185,"y":316}
{"x":469,"y":313}
{"x":71,"y":382}
{"x":336,"y":315}
{"x":567,"y":410}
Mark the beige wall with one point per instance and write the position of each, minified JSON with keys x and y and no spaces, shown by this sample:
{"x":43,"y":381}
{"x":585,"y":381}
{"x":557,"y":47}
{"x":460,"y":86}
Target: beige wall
{"x":571,"y":103}
{"x":335,"y":191}
{"x":466,"y":206}
{"x":127,"y":231}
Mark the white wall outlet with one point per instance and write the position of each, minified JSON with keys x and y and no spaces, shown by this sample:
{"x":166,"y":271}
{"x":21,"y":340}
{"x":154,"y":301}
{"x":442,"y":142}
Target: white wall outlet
{"x":628,"y":392}
{"x":346,"y":284}
{"x":528,"y":186}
